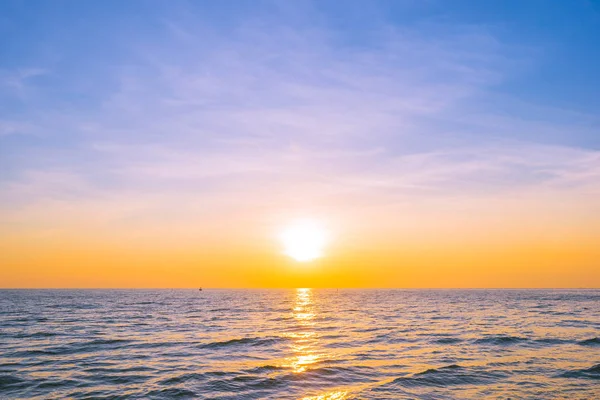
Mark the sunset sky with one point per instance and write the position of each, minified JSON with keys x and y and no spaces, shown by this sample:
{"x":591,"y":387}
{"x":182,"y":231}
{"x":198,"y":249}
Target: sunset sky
{"x":173,"y":143}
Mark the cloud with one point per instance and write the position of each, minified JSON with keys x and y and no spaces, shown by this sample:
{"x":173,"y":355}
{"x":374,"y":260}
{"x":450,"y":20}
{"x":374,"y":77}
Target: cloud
{"x":266,"y":116}
{"x":18,"y":81}
{"x":13,"y":127}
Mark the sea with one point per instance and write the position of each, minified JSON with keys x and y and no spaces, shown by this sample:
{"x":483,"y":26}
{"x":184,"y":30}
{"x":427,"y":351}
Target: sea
{"x":315,"y":344}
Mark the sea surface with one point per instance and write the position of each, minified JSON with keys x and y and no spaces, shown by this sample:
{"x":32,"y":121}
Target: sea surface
{"x":300,"y":344}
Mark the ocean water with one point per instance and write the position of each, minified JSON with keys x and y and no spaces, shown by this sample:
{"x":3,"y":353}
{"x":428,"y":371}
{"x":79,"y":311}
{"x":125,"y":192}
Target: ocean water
{"x":300,"y":344}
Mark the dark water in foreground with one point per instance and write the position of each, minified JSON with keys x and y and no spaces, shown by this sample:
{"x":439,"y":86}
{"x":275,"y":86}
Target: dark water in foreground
{"x":313,"y":344}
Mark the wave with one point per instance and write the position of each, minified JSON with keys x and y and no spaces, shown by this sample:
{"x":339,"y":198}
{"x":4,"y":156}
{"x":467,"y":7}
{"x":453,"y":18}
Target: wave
{"x":73,"y":348}
{"x":128,"y":379}
{"x":450,"y":375}
{"x":589,"y":373}
{"x":253,"y":341}
{"x":552,"y":341}
{"x":223,"y":385}
{"x":447,"y":340}
{"x":7,"y":380}
{"x":451,"y":367}
{"x":269,"y":376}
{"x":173,"y":393}
{"x":342,"y":373}
{"x":55,"y":384}
{"x":175,"y":380}
{"x":264,"y":369}
{"x":43,"y":334}
{"x":507,"y":340}
{"x":159,"y":345}
{"x":25,"y":335}
{"x":501,"y":340}
{"x":137,"y":368}
{"x":105,"y":342}
{"x":243,"y":383}
{"x":590,"y":342}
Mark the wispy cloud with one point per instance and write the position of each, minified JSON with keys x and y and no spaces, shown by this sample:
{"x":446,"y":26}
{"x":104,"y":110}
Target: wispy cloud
{"x":19,"y":81}
{"x":269,"y":116}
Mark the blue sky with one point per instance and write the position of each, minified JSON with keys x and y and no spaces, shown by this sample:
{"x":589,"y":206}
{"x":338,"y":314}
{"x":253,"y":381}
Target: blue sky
{"x":151,"y":110}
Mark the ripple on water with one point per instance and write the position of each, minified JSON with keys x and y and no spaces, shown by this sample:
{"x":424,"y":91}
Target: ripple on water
{"x":172,"y":393}
{"x":287,"y":344}
{"x":590,"y":342}
{"x":587,"y":373}
{"x":450,"y":375}
{"x":247,"y":341}
{"x":7,"y":380}
{"x":501,"y":340}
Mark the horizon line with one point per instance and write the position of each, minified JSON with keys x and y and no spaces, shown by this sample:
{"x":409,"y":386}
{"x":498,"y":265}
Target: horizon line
{"x":292,"y":288}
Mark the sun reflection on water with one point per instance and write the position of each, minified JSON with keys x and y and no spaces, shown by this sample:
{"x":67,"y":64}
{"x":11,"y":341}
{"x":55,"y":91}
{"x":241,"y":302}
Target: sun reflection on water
{"x":304,"y":344}
{"x":337,"y":395}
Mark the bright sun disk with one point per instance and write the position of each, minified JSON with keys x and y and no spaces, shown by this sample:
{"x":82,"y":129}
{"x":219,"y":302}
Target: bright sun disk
{"x":304,"y":240}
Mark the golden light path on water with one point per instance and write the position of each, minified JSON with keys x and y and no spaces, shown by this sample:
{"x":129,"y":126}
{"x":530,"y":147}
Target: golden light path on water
{"x":340,"y":395}
{"x":305,"y":343}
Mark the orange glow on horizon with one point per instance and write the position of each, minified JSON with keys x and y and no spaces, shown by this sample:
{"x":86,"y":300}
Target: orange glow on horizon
{"x":441,"y":253}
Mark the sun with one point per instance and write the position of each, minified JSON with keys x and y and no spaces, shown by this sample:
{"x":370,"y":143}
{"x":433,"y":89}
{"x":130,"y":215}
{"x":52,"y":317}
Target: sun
{"x":304,"y":240}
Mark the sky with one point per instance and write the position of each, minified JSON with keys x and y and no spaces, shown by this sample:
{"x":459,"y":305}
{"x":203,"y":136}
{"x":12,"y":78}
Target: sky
{"x":168,"y":144}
